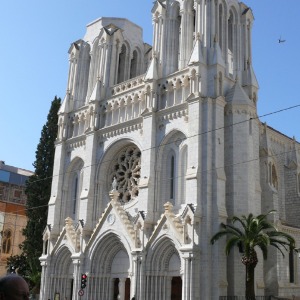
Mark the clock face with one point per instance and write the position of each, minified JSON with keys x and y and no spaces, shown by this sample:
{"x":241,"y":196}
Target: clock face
{"x":111,"y":219}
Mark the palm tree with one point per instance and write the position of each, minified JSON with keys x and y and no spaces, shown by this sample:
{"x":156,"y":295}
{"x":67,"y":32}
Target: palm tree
{"x":251,"y":233}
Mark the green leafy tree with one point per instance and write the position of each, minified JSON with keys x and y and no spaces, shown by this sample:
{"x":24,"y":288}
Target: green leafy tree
{"x":251,"y":233}
{"x":38,"y":189}
{"x":18,"y":263}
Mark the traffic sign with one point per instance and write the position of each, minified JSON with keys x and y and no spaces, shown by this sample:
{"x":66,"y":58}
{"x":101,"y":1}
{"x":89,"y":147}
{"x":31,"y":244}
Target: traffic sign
{"x":81,"y":293}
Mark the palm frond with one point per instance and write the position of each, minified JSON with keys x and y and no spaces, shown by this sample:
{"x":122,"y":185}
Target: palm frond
{"x":218,"y":235}
{"x":264,"y":249}
{"x":277,"y":247}
{"x":231,"y":243}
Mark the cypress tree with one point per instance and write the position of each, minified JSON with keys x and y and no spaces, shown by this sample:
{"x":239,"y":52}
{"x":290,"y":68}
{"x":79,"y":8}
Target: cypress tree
{"x":38,"y":189}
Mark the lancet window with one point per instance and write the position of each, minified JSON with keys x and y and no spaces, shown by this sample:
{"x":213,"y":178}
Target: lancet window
{"x":122,"y":64}
{"x":231,"y":43}
{"x":272,"y":175}
{"x":174,"y":165}
{"x":220,"y":27}
{"x":134,"y":65}
{"x":6,"y":241}
{"x":74,"y":188}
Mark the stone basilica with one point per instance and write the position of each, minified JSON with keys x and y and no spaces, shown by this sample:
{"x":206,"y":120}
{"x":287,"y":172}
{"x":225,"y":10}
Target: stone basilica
{"x":157,"y":145}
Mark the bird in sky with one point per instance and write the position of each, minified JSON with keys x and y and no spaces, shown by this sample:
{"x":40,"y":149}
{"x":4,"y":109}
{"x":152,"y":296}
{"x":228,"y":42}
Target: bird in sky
{"x":280,"y":40}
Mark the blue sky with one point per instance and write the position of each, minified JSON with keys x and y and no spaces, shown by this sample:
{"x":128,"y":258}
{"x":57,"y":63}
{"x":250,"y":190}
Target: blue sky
{"x":36,"y":36}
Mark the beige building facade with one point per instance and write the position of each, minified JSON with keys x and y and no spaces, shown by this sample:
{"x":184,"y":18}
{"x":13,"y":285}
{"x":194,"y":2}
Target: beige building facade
{"x":157,"y":145}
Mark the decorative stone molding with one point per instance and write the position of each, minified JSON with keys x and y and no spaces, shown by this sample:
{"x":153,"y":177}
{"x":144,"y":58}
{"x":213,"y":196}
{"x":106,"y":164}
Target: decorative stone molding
{"x":174,"y":221}
{"x":76,"y":144}
{"x":125,"y":220}
{"x":128,"y":85}
{"x":72,"y":234}
{"x":171,"y":115}
{"x":123,"y":130}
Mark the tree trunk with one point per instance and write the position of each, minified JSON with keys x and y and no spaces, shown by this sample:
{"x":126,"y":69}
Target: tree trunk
{"x":250,"y":291}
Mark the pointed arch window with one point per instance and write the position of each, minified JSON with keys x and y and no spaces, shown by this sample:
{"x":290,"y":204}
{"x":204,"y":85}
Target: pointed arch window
{"x":122,"y":64}
{"x":6,"y":241}
{"x":134,"y":65}
{"x":272,"y":176}
{"x":172,"y":177}
{"x":74,"y":195}
{"x":172,"y":44}
{"x":221,"y":26}
{"x":231,"y":43}
{"x":73,"y":187}
{"x":194,"y":23}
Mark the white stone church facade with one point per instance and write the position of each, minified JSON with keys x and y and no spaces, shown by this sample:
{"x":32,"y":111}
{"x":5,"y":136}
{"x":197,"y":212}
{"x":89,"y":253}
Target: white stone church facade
{"x":157,"y":145}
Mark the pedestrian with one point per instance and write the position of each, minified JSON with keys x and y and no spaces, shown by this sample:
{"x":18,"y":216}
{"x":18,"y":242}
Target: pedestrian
{"x":13,"y":287}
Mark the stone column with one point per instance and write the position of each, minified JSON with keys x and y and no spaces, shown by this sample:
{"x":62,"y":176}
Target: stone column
{"x":44,"y":280}
{"x":135,"y":283}
{"x":187,"y":30}
{"x":187,"y":278}
{"x":76,"y":278}
{"x":121,"y":295}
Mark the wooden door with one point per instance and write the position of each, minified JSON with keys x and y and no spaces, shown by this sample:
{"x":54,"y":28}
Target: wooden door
{"x":176,"y":288}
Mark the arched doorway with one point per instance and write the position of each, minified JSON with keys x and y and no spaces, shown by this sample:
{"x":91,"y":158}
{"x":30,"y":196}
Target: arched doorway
{"x":110,"y":269}
{"x":163,"y":279}
{"x":119,"y":273}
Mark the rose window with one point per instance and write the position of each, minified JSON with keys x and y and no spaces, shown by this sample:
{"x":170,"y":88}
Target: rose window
{"x":126,"y":169}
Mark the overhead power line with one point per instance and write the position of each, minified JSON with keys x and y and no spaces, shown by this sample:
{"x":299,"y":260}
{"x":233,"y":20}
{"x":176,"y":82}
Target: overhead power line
{"x":202,"y":133}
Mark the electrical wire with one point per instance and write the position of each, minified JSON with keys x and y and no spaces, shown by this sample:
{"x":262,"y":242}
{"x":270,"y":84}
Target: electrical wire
{"x":177,"y":177}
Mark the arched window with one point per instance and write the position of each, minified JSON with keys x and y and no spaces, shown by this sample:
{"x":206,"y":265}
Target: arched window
{"x":134,"y":65}
{"x":73,"y":187}
{"x":46,"y":243}
{"x":194,"y":24}
{"x":172,"y":173}
{"x":272,"y":176}
{"x":182,"y":167}
{"x":172,"y":48}
{"x":6,"y":241}
{"x":220,"y":37}
{"x":122,"y":64}
{"x":172,"y":177}
{"x":74,"y":195}
{"x":231,"y":43}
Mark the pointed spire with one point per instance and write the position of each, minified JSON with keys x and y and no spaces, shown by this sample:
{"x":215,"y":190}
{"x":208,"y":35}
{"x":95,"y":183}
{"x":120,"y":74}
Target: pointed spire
{"x":197,"y":55}
{"x":65,"y":106}
{"x":217,"y":58}
{"x":250,"y":75}
{"x":96,"y":94}
{"x":152,"y":70}
{"x":237,"y":95}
